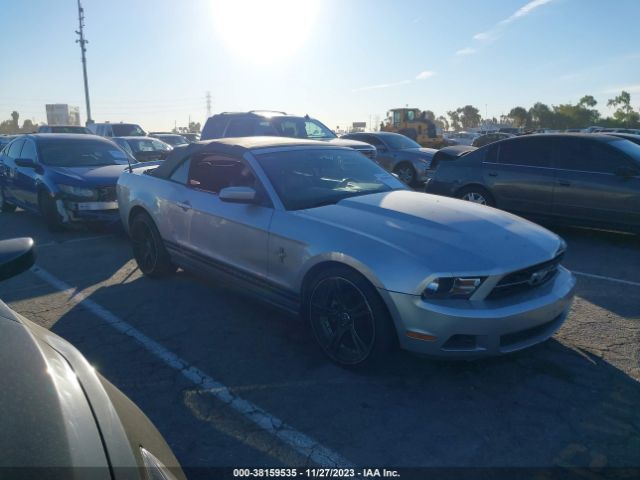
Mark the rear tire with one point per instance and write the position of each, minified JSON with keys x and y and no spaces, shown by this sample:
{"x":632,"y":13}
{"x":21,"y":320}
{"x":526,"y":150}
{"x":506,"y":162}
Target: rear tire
{"x":349,"y":320}
{"x":49,"y":211}
{"x":148,"y":248}
{"x":4,"y":206}
{"x":477,"y":194}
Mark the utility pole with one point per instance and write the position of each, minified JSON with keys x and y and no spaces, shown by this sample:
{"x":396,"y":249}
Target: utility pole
{"x":208,"y":104}
{"x":81,"y":40}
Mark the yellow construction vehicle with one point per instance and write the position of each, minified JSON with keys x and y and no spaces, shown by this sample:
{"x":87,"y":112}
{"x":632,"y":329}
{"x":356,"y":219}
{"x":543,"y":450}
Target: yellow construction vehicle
{"x":413,"y":123}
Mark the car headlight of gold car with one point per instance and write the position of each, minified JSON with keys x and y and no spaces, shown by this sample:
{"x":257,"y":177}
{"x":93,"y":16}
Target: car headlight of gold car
{"x":154,"y":468}
{"x":452,"y":287}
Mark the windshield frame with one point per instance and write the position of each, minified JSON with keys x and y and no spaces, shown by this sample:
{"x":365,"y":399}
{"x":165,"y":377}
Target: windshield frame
{"x":390,"y":139}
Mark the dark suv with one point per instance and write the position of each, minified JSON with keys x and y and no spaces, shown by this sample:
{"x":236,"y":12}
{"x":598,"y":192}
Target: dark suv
{"x":582,"y":179}
{"x":255,"y":123}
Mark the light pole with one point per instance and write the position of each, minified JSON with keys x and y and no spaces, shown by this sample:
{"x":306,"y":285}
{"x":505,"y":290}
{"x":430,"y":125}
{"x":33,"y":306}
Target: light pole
{"x":81,"y":40}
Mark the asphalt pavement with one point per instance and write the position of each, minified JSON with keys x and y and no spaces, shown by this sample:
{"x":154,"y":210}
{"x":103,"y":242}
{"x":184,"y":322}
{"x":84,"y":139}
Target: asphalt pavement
{"x":230,"y":381}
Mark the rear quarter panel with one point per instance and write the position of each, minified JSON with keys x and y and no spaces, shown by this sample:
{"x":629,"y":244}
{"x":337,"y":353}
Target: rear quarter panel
{"x":451,"y":175}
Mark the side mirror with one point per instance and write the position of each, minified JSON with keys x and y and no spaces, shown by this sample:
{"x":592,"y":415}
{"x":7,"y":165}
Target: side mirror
{"x":16,"y":256}
{"x":237,"y":195}
{"x":26,"y":163}
{"x":626,"y":172}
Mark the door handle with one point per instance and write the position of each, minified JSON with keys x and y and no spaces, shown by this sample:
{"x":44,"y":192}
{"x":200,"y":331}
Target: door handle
{"x":184,"y":205}
{"x":492,"y":174}
{"x":564,"y":183}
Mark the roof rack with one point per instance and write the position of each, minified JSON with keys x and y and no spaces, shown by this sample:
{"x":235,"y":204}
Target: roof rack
{"x":267,"y":111}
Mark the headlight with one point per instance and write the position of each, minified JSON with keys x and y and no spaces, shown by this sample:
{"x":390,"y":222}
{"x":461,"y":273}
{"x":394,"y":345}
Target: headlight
{"x":77,"y":191}
{"x":452,"y":287}
{"x":562,"y":248}
{"x":155,"y":469}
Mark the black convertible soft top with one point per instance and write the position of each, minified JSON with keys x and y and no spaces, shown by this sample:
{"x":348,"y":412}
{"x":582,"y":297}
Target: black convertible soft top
{"x":234,"y":147}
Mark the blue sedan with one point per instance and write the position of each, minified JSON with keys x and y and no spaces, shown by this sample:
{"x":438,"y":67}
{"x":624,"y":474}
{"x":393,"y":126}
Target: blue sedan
{"x":67,"y":178}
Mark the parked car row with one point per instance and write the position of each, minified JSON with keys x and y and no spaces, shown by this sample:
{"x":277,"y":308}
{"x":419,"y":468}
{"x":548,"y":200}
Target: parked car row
{"x":575,"y":178}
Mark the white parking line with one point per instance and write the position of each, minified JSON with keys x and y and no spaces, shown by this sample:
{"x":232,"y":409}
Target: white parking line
{"x":300,"y":442}
{"x":608,"y":279}
{"x":73,"y":240}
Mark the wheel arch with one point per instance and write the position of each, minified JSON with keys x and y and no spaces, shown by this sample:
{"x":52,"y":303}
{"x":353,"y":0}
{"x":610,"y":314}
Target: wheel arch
{"x":134,"y":212}
{"x":354,"y":265}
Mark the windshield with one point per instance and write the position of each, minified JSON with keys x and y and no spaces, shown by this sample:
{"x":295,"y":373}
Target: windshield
{"x":301,"y":128}
{"x":173,"y":139}
{"x":81,"y":153}
{"x":312,"y":178}
{"x":148,"y":145}
{"x":69,"y":129}
{"x":400,"y":142}
{"x":630,"y":148}
{"x":127,"y":130}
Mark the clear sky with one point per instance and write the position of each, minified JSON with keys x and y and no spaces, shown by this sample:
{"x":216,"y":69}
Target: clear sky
{"x":152,"y":61}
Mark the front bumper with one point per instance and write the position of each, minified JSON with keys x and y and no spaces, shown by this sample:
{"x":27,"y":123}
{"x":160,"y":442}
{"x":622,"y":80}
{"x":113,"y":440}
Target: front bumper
{"x":463,"y":328}
{"x":102,"y":212}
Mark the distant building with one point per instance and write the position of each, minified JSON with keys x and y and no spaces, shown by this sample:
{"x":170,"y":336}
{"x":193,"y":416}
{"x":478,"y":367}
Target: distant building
{"x":62,"y":114}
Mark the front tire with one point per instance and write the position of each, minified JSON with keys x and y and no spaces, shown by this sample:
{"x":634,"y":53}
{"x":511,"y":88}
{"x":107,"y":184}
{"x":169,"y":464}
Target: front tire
{"x":349,"y":320}
{"x":477,"y":194}
{"x":4,"y":206}
{"x":406,"y":173}
{"x":49,"y":211}
{"x":148,"y":248}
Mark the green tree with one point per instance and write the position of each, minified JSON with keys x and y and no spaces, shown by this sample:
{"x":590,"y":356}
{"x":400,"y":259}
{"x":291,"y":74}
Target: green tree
{"x":14,"y":118}
{"x":454,"y":116}
{"x":442,"y":123}
{"x":28,"y":127}
{"x":624,"y":113}
{"x":469,"y":116}
{"x":194,"y":127}
{"x":519,"y":116}
{"x":541,"y":116}
{"x":587,"y":101}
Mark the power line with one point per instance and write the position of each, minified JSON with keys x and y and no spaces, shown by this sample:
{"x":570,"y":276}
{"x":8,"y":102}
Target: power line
{"x":81,"y":40}
{"x":208,"y":104}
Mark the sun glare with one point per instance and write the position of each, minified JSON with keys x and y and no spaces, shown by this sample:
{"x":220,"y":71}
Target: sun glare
{"x":267,"y":31}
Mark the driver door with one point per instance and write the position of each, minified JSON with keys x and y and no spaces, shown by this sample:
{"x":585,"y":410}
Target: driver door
{"x":232,"y":237}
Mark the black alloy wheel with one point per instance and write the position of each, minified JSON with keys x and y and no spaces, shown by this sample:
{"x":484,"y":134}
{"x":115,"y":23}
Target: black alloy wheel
{"x":148,"y":250}
{"x":348,"y":319}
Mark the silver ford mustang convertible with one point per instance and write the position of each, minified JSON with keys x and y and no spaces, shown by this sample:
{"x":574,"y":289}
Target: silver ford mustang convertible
{"x":325,"y":232}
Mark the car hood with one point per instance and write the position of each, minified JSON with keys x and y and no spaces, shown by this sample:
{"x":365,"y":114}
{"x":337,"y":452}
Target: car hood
{"x":444,"y":234}
{"x":103,"y":175}
{"x":46,"y":420}
{"x":343,"y":142}
{"x":422,"y":152}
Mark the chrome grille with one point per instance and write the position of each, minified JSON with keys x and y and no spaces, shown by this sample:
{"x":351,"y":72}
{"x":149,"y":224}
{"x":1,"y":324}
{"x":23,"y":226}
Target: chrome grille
{"x":526,"y":279}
